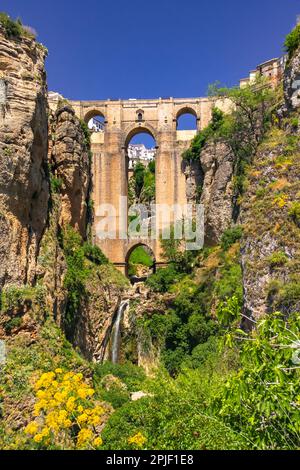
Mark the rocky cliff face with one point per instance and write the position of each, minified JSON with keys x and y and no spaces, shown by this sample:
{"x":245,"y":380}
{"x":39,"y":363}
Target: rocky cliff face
{"x":271,"y":245}
{"x":45,"y":185}
{"x":217,"y":190}
{"x":292,"y":84}
{"x":70,"y":166}
{"x":24,"y":188}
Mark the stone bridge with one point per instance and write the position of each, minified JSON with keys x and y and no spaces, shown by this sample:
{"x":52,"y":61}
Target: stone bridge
{"x":124,"y":119}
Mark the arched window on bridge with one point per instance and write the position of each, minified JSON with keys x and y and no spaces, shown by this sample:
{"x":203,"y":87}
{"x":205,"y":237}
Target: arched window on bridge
{"x":140,"y":116}
{"x":95,"y":121}
{"x":186,"y":120}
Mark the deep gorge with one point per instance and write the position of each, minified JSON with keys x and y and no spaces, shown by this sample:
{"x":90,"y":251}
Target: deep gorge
{"x":201,"y":355}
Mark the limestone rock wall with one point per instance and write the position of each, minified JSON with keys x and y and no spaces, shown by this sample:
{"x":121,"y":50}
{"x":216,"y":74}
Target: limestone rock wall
{"x":292,"y":83}
{"x":217,"y":189}
{"x":24,"y":188}
{"x":271,"y":243}
{"x":70,"y":167}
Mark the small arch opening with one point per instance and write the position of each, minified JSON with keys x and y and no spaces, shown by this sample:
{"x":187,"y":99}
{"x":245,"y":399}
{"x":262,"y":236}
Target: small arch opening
{"x":186,"y":120}
{"x":95,"y":121}
{"x":140,"y":116}
{"x":140,"y":263}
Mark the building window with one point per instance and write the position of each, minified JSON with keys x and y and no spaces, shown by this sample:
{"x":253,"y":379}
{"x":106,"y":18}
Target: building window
{"x":140,"y":116}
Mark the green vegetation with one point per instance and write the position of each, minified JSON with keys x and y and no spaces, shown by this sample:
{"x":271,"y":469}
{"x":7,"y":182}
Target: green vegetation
{"x":142,"y":183}
{"x":139,"y":257}
{"x":292,"y":41}
{"x":87,"y":133}
{"x":27,"y":358}
{"x":230,"y":236}
{"x":261,"y":401}
{"x":189,"y":322}
{"x":242,"y":130}
{"x":193,"y":153}
{"x":279,"y":258}
{"x":55,"y":184}
{"x":15,"y":297}
{"x":81,"y":258}
{"x":294,"y":212}
{"x":13,"y":29}
{"x":175,"y":415}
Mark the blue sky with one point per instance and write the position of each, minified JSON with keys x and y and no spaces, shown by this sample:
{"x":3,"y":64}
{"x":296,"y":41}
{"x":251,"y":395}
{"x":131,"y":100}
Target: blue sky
{"x":136,"y":49}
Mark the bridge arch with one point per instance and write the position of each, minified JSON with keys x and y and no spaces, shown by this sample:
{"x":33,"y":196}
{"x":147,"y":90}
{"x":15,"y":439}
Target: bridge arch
{"x":186,"y":116}
{"x":135,"y":129}
{"x":186,"y":110}
{"x":132,"y":248}
{"x":93,"y":113}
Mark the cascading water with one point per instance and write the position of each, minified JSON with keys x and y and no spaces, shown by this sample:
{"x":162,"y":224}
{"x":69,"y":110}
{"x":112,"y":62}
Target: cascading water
{"x":115,"y":339}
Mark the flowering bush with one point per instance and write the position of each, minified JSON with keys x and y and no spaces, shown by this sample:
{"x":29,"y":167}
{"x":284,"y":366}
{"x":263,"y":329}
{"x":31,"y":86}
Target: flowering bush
{"x":64,"y":412}
{"x":138,"y":440}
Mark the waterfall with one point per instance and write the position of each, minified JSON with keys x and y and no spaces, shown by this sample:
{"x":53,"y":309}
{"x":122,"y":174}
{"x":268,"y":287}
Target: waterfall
{"x":115,"y":338}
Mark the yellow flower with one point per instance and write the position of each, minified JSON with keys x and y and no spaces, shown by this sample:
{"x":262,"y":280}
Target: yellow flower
{"x":78,"y":377}
{"x":41,"y":394}
{"x":82,"y":418}
{"x":38,"y":438}
{"x":71,"y":404}
{"x":31,"y":428}
{"x":98,"y":442}
{"x":94,"y":420}
{"x":80,"y":408}
{"x":138,"y":440}
{"x":58,"y":371}
{"x":83,"y":437}
{"x":45,"y":432}
{"x":82,"y":393}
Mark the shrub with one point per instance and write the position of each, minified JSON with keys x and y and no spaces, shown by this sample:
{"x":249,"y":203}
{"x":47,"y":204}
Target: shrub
{"x":292,"y":41}
{"x":87,"y":133}
{"x":13,"y":29}
{"x":229,"y":310}
{"x":10,"y":325}
{"x":55,"y":184}
{"x":175,"y":416}
{"x":230,"y":236}
{"x":294,"y":212}
{"x":14,"y":297}
{"x":261,"y":400}
{"x":163,"y":279}
{"x":65,"y":413}
{"x":279,"y":258}
{"x":94,"y":254}
{"x":193,"y":153}
{"x":76,"y":275}
{"x":131,"y":375}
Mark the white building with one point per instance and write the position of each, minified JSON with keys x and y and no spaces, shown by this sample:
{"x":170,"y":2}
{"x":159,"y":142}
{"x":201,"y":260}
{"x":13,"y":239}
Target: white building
{"x":139,"y":153}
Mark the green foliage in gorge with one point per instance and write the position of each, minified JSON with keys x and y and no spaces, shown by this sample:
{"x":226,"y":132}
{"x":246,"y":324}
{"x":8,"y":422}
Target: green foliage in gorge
{"x":230,"y":236}
{"x":139,"y":256}
{"x":175,"y":414}
{"x":193,"y":153}
{"x":262,"y":400}
{"x":142,"y":184}
{"x":80,"y":258}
